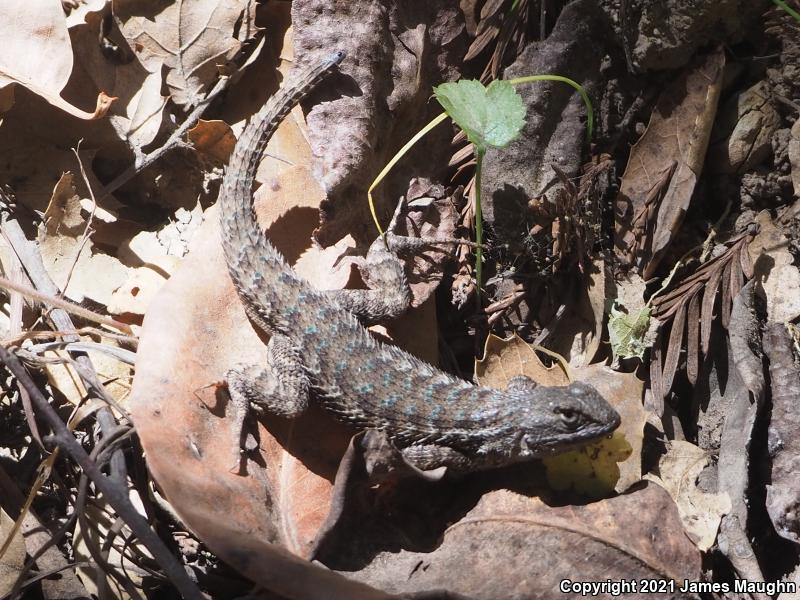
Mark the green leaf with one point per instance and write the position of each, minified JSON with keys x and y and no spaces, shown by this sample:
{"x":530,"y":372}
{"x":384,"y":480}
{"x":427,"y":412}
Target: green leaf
{"x":490,"y":116}
{"x":630,"y":334}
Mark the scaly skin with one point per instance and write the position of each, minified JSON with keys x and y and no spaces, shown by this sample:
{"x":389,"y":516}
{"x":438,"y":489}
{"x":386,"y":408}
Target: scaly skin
{"x":320,"y":349}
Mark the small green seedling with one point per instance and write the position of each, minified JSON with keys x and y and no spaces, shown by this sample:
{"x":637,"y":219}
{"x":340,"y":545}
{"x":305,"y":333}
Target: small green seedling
{"x":490,"y":116}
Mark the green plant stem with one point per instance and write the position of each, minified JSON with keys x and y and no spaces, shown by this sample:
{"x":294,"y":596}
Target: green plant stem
{"x":788,"y":9}
{"x":400,"y":153}
{"x":479,"y":153}
{"x":440,"y":118}
{"x":578,"y":87}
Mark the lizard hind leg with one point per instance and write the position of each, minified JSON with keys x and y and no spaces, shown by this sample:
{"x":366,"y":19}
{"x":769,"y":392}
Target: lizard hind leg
{"x":432,"y":457}
{"x":280,"y":388}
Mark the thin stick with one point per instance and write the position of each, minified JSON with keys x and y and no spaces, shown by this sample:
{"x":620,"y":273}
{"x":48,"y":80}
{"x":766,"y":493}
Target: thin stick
{"x":173,"y":141}
{"x":66,"y":305}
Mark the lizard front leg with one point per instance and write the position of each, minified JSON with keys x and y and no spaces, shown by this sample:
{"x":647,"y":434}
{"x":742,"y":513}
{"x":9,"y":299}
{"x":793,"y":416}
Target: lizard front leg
{"x":389,"y":295}
{"x":281,"y":387}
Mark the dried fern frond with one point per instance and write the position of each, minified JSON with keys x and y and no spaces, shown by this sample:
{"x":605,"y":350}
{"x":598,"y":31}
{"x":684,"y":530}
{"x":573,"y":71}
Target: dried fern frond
{"x":688,"y":311}
{"x":504,"y":24}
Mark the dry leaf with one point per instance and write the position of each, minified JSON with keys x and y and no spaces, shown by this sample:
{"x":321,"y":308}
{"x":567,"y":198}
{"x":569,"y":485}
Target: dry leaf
{"x":144,"y":109}
{"x":70,"y":258}
{"x":37,"y":54}
{"x":213,"y":139}
{"x":191,"y":41}
{"x":402,"y":50}
{"x":134,"y":296}
{"x":678,"y":134}
{"x":512,"y":546}
{"x":700,"y":511}
{"x":780,"y":278}
{"x":504,"y":359}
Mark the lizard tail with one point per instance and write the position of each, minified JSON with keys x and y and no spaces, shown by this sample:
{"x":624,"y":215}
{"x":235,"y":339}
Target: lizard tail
{"x":259,"y":272}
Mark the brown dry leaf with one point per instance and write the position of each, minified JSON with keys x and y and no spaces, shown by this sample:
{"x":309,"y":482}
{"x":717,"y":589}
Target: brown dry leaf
{"x":63,"y":214}
{"x":134,"y":296}
{"x":71,"y":260}
{"x":153,"y":256}
{"x":35,"y":167}
{"x":140,"y":94}
{"x":63,"y":377}
{"x":213,"y":139}
{"x":700,"y":511}
{"x":504,"y":359}
{"x":194,"y":332}
{"x":773,"y":264}
{"x":130,"y":280}
{"x":512,"y":546}
{"x":191,"y":40}
{"x":12,"y":561}
{"x":139,"y":111}
{"x":38,"y":55}
{"x":93,"y":275}
{"x":678,"y":134}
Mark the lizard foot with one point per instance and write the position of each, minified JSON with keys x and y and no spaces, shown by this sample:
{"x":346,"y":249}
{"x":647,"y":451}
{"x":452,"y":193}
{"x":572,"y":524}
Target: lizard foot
{"x":279,"y":388}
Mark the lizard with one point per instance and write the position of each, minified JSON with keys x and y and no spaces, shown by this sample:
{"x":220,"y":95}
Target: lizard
{"x":319,"y":349}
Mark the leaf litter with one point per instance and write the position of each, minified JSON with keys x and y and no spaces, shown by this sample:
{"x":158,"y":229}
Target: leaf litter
{"x":702,"y":268}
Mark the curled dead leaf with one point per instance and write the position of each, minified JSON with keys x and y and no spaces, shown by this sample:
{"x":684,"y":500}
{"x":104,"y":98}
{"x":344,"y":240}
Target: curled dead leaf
{"x":515,"y":546}
{"x":665,"y":163}
{"x":700,"y":511}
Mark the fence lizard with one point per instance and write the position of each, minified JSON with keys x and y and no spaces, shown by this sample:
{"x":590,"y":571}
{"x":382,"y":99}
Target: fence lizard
{"x":319,"y":349}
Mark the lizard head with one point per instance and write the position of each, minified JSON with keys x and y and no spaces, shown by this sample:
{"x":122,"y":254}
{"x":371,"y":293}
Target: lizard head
{"x":560,"y":418}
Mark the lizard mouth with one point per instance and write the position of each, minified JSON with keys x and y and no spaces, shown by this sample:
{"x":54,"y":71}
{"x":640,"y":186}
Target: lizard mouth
{"x":531,"y":447}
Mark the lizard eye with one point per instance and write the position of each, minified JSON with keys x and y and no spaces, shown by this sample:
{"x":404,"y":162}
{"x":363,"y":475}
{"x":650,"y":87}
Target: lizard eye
{"x":570,"y":417}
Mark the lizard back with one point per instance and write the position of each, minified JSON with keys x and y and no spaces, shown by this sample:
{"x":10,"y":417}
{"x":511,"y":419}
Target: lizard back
{"x":354,"y":376}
